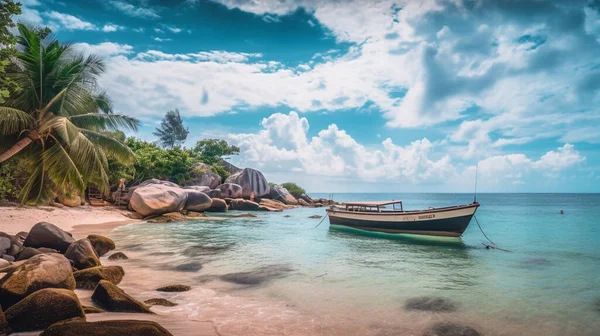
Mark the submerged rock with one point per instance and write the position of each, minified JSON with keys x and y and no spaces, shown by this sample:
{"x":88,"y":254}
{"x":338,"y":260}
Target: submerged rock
{"x":118,"y":256}
{"x":189,"y":267}
{"x":48,"y":235}
{"x":101,"y":244}
{"x":433,"y":304}
{"x":82,"y":254}
{"x":174,"y":288}
{"x":257,"y":276}
{"x":315,"y":216}
{"x":89,"y":278}
{"x":114,"y":299}
{"x":197,"y":200}
{"x":106,"y":328}
{"x":38,"y":272}
{"x":450,"y":329}
{"x":44,"y":308}
{"x":160,"y":302}
{"x":218,"y":205}
{"x":252,"y":181}
{"x":206,"y":250}
{"x":157,"y":199}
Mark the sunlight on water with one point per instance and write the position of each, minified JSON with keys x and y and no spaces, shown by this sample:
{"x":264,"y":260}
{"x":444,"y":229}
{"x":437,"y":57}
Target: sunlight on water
{"x":277,"y":274}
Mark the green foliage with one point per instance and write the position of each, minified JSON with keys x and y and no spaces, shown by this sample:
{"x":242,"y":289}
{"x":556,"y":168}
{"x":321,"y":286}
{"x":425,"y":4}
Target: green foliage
{"x":271,"y":184}
{"x":210,"y":151}
{"x":219,"y":169}
{"x":294,"y":189}
{"x":8,"y":8}
{"x":171,"y":133}
{"x":56,"y":126}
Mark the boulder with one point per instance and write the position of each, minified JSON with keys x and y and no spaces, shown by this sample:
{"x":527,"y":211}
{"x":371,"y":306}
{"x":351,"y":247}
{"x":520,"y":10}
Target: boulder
{"x":101,"y":244}
{"x":72,"y":202}
{"x":218,"y":205}
{"x":306,"y":198}
{"x":197,"y":188}
{"x":168,"y":218}
{"x":197,"y":200}
{"x":4,"y":263}
{"x":273,"y":204}
{"x":160,"y":302}
{"x":315,"y":216}
{"x":44,"y":308}
{"x":27,"y":253}
{"x":231,"y":190}
{"x":174,"y":288}
{"x":202,"y":175}
{"x":228,"y":166}
{"x":48,"y":235}
{"x":38,"y":272}
{"x":89,"y":278}
{"x":159,"y":182}
{"x":8,"y":257}
{"x":450,"y":329}
{"x":251,"y":181}
{"x":106,"y":328}
{"x":157,"y":199}
{"x":114,"y":299}
{"x":16,"y":246}
{"x":213,"y":193}
{"x":21,"y":236}
{"x":92,"y":310}
{"x":243,"y":205}
{"x":5,"y":242}
{"x":302,"y":202}
{"x":118,"y":256}
{"x":82,"y":254}
{"x":281,"y":194}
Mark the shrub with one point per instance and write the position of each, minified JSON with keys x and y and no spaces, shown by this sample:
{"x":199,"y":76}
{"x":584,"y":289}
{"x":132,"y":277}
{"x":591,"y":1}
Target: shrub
{"x":294,"y":189}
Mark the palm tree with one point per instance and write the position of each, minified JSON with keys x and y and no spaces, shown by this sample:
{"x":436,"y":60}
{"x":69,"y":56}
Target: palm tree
{"x":57,"y":120}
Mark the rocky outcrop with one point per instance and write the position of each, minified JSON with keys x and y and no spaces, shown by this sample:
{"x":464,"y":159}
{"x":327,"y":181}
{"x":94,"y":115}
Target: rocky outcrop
{"x":118,"y":256}
{"x":44,"y":308}
{"x":213,"y":193}
{"x":203,"y":189}
{"x":160,"y":302}
{"x":306,"y":198}
{"x":228,"y":166}
{"x":197,"y":201}
{"x":243,"y":205}
{"x":202,"y":175}
{"x":105,"y":328}
{"x":157,"y":199}
{"x":114,"y":299}
{"x":157,"y":181}
{"x":302,"y":202}
{"x":218,"y":205}
{"x":281,"y":194}
{"x":38,"y":272}
{"x":89,"y":278}
{"x":174,"y":288}
{"x":101,"y":244}
{"x":273,"y":205}
{"x":27,"y":253}
{"x":251,"y":181}
{"x":82,"y":254}
{"x":48,"y":235}
{"x":230,"y":190}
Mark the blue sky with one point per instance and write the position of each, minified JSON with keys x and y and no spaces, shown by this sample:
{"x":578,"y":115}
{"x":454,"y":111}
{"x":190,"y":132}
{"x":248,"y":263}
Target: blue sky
{"x":351,"y":96}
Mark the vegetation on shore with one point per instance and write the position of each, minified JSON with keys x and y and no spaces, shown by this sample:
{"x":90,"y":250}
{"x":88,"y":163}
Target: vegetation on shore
{"x":294,"y":189}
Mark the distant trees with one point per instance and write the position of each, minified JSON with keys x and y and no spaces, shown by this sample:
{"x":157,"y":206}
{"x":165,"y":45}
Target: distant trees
{"x":294,"y":189}
{"x":210,"y":151}
{"x":171,"y":133}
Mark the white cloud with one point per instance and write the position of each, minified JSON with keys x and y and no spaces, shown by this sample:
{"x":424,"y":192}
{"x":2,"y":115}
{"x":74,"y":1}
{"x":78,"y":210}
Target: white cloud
{"x":68,"y":22}
{"x":131,"y":10}
{"x":104,"y":49}
{"x":159,"y":39}
{"x":173,"y":29}
{"x":109,"y":28}
{"x":565,"y":156}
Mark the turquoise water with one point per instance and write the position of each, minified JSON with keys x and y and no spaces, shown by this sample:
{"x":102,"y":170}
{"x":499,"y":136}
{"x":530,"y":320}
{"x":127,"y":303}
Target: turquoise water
{"x":337,"y":278}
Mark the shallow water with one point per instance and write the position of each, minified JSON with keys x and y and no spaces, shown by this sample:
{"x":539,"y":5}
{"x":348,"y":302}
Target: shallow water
{"x":276,"y":274}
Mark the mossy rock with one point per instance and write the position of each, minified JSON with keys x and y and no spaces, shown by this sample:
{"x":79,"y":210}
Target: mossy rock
{"x":92,"y":310}
{"x":82,"y":254}
{"x":106,"y":328}
{"x":174,"y":288}
{"x":118,"y":256}
{"x":160,"y":302}
{"x":90,"y":277}
{"x":101,"y":244}
{"x":44,"y":308}
{"x":114,"y":299}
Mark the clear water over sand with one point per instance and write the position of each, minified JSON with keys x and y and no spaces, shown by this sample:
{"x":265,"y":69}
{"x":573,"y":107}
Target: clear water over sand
{"x":278,"y":275}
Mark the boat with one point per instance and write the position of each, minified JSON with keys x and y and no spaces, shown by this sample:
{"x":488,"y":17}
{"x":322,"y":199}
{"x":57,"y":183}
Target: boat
{"x":390,"y":217}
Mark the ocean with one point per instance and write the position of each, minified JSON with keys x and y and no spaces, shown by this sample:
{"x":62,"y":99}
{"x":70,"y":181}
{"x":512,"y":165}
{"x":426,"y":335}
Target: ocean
{"x":276,"y":274}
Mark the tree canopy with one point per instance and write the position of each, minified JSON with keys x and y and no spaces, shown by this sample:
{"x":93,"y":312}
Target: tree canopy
{"x":171,"y":132}
{"x":210,"y":151}
{"x":8,"y":8}
{"x":294,"y":189}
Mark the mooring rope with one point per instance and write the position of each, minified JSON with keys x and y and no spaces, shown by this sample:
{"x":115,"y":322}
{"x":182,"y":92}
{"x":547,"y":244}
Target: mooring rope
{"x":488,"y":238}
{"x":321,"y":221}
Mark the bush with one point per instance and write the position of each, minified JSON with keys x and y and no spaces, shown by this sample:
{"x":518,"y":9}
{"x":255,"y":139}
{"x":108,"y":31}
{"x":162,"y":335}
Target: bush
{"x":217,"y":168}
{"x":294,"y":189}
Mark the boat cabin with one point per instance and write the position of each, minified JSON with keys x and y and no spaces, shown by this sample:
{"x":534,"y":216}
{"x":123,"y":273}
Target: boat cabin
{"x":374,"y":206}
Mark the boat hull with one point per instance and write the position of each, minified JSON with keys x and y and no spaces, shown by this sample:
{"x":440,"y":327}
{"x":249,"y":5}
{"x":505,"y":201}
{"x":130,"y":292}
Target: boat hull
{"x":449,"y":222}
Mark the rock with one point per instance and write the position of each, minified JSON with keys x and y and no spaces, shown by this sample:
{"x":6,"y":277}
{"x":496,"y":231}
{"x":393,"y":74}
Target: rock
{"x":228,"y":166}
{"x":213,"y":193}
{"x":433,"y":304}
{"x":106,"y":328}
{"x":197,"y":200}
{"x":21,"y":236}
{"x":194,"y":214}
{"x":302,"y":202}
{"x":281,"y":194}
{"x":16,"y":247}
{"x":4,"y":329}
{"x":82,"y":254}
{"x":231,"y":190}
{"x":118,"y":256}
{"x":101,"y":244}
{"x":318,"y":205}
{"x":315,"y":216}
{"x":48,"y":235}
{"x":266,"y":208}
{"x":38,"y":272}
{"x":218,"y":205}
{"x":160,"y":302}
{"x":274,"y":204}
{"x":4,"y":263}
{"x":159,"y":182}
{"x":251,"y":181}
{"x":157,"y":199}
{"x":257,"y":276}
{"x":306,"y":198}
{"x":5,"y":242}
{"x":114,"y":299}
{"x":92,"y":310}
{"x":44,"y":308}
{"x":8,"y":257}
{"x":450,"y":329}
{"x":71,"y":202}
{"x":174,"y":288}
{"x":202,"y":175}
{"x":246,"y":215}
{"x":27,"y":253}
{"x":168,"y":218}
{"x":134,"y":215}
{"x":243,"y":205}
{"x":47,"y":250}
{"x":89,"y":278}
{"x":197,"y":188}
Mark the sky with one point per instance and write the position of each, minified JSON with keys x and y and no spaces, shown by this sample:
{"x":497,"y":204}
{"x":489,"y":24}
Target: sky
{"x":361,"y":95}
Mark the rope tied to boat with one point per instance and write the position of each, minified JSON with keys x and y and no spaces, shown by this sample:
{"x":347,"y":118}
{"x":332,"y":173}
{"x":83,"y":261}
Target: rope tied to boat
{"x":321,"y":221}
{"x":493,"y":246}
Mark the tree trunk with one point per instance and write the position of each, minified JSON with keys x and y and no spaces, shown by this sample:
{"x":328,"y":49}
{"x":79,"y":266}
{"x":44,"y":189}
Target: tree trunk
{"x":15,"y":149}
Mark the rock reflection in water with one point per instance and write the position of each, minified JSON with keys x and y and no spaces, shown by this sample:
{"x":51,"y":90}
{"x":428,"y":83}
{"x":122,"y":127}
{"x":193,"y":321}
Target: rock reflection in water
{"x":258,"y":276}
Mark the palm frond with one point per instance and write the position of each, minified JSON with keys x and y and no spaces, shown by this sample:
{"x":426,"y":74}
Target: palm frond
{"x":61,"y":169}
{"x":110,"y":145}
{"x":90,"y":160}
{"x":111,"y":122}
{"x":13,"y":120}
{"x":61,"y":128}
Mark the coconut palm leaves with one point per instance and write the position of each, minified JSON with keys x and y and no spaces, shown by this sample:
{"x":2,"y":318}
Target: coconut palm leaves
{"x":57,"y":121}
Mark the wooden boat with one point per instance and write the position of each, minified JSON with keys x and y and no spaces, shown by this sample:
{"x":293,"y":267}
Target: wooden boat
{"x":377,"y":216}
